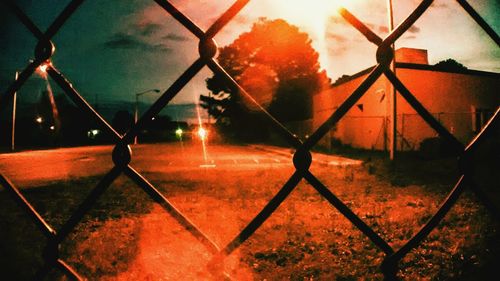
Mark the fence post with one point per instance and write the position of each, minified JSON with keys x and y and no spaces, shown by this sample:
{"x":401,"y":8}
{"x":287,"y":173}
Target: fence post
{"x":402,"y":130}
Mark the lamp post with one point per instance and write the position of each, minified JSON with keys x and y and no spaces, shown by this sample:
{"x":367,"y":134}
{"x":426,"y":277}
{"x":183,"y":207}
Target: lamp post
{"x":136,"y":113}
{"x":393,"y":107}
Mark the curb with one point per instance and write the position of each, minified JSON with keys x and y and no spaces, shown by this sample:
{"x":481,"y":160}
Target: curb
{"x":325,"y":159}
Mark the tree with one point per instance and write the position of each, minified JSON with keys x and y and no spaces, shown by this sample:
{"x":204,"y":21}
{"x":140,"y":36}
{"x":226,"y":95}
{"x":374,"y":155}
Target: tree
{"x":342,"y":79}
{"x":122,"y":121}
{"x":450,"y":65}
{"x":277,"y":65}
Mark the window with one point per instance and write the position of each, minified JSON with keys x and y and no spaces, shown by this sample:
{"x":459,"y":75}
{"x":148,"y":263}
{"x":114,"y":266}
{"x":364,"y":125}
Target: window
{"x":480,"y":117}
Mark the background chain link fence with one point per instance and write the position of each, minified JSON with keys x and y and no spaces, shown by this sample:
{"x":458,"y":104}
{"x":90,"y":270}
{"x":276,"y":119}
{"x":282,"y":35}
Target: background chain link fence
{"x":302,"y":158}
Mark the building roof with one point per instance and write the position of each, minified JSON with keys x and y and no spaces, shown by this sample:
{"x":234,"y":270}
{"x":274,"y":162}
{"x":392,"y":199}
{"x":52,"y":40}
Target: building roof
{"x":437,"y":69}
{"x":417,"y":59}
{"x":415,"y":66}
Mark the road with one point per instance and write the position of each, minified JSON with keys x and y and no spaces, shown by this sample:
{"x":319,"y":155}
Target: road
{"x":165,"y":250}
{"x":35,"y":168}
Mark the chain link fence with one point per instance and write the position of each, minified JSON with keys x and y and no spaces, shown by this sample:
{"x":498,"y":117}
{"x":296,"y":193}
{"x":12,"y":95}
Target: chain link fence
{"x":412,"y":131}
{"x":122,"y":156}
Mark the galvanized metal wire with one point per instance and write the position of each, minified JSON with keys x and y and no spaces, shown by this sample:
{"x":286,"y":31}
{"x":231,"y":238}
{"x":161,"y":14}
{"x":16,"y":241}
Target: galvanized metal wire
{"x":302,"y":157}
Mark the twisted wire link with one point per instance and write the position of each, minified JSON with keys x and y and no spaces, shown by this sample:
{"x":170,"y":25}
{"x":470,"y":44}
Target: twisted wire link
{"x":302,"y":158}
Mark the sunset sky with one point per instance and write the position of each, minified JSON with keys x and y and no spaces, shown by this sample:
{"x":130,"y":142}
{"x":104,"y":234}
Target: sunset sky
{"x":113,"y":49}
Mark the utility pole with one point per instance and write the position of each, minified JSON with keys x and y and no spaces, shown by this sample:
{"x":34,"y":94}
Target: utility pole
{"x":13,"y":135}
{"x":136,"y":111}
{"x":393,"y":102}
{"x":136,"y":114}
{"x":209,"y":108}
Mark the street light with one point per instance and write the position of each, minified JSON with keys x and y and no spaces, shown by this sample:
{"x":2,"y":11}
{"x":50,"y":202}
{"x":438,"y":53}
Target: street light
{"x":136,"y":113}
{"x":202,"y":133}
{"x":178,"y":133}
{"x":42,"y":70}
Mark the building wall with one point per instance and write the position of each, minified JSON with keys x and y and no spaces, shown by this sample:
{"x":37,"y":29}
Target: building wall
{"x":412,"y":55}
{"x":363,"y":125}
{"x":450,"y":97}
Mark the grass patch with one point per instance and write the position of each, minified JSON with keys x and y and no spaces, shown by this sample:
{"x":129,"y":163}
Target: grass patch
{"x":91,"y":247}
{"x":306,"y":238}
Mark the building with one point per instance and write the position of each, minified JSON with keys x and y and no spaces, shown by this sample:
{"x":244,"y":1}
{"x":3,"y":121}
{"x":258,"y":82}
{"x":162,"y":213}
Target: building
{"x":461,"y":99}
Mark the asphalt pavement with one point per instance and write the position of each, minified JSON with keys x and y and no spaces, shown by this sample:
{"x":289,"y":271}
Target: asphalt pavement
{"x":38,"y":167}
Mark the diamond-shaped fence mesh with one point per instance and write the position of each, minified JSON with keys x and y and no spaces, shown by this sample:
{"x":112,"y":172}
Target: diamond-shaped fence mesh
{"x":302,"y":157}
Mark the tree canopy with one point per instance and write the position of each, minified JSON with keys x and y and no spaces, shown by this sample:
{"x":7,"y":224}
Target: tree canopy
{"x":122,"y":121}
{"x":276,"y":64}
{"x":450,"y":65}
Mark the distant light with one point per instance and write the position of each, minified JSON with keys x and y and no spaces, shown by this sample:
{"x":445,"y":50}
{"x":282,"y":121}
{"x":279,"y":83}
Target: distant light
{"x":152,"y":118}
{"x":178,"y":132}
{"x":42,"y":69}
{"x":92,"y":134}
{"x":52,"y":128}
{"x":39,"y":120}
{"x":202,"y":133}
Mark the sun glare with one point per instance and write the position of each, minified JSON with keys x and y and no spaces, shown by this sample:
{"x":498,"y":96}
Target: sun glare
{"x":305,"y":13}
{"x":312,"y":17}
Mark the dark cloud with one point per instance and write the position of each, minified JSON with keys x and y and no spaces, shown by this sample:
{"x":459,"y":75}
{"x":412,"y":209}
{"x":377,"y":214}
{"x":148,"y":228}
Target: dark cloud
{"x":238,"y":19}
{"x":149,"y":29}
{"x":378,"y":28}
{"x":383,"y":29}
{"x":336,"y":37}
{"x":338,"y":50}
{"x":241,"y":19}
{"x":414,"y":29}
{"x":337,"y":20}
{"x":436,"y":4}
{"x":130,"y":42}
{"x":175,"y":37}
{"x":410,"y":37}
{"x":439,"y":5}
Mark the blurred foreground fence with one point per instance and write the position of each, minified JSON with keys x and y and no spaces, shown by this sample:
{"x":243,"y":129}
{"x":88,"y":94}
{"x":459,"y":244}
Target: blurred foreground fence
{"x":302,"y":158}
